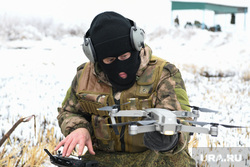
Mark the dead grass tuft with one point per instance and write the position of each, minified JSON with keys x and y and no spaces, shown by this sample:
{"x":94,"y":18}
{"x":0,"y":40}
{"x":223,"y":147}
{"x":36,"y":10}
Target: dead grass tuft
{"x":246,"y":76}
{"x":194,"y":142}
{"x":190,"y":68}
{"x":26,"y":154}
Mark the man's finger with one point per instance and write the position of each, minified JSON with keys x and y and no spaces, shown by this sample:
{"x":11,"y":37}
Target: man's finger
{"x":90,"y":147}
{"x":66,"y":146}
{"x":60,"y":144}
{"x":81,"y":147}
{"x":71,"y":147}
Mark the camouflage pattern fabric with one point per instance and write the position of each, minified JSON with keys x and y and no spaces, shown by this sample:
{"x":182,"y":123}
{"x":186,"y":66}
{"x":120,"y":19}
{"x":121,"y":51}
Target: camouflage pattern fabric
{"x":70,"y":116}
{"x":147,"y":158}
{"x":178,"y":157}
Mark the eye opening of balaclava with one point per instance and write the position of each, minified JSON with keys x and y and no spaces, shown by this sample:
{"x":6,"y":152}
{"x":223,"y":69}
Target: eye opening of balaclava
{"x":128,"y":66}
{"x":110,"y":36}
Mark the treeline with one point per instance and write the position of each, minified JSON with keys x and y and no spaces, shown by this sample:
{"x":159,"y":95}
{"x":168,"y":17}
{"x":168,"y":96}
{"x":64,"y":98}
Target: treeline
{"x":35,"y":28}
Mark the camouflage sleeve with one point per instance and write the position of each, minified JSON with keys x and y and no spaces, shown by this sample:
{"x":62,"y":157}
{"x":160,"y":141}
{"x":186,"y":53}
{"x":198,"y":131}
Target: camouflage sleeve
{"x":70,"y":115}
{"x":171,"y":90}
{"x":171,"y":93}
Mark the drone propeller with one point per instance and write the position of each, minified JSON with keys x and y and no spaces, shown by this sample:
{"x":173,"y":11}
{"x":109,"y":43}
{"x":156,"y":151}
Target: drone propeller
{"x":201,"y":109}
{"x":109,"y":108}
{"x":214,"y":124}
{"x":143,"y":122}
{"x":106,"y":108}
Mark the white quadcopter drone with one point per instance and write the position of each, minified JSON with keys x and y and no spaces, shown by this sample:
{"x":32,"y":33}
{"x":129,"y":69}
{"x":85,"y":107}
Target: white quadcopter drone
{"x":163,"y":121}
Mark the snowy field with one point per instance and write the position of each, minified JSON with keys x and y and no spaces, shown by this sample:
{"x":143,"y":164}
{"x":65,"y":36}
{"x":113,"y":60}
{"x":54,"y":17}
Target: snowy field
{"x":35,"y":75}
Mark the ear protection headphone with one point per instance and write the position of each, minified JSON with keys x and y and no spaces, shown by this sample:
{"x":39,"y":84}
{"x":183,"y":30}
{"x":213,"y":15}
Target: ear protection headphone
{"x":136,"y":36}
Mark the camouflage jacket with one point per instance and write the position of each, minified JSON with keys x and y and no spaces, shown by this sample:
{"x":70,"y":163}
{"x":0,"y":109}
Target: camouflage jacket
{"x":170,"y":92}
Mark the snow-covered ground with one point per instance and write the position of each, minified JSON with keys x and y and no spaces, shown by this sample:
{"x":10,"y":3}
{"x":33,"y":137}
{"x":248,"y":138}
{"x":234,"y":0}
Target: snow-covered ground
{"x":35,"y":75}
{"x":198,"y":52}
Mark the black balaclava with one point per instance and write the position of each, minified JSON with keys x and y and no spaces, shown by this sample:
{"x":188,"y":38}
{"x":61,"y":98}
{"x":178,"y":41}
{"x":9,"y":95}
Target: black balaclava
{"x":110,"y":36}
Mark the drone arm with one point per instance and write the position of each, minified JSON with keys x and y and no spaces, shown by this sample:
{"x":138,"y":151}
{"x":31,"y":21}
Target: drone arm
{"x":185,"y":128}
{"x":130,"y":113}
{"x":113,"y":120}
{"x":127,"y":113}
{"x":184,"y":114}
{"x":134,"y":129}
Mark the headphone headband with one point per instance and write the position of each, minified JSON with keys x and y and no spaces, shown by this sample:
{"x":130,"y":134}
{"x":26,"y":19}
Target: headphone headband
{"x":136,"y":37}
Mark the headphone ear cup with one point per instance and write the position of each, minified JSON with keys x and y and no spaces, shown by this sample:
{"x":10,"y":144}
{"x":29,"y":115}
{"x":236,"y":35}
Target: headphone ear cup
{"x":88,"y":49}
{"x":137,"y":36}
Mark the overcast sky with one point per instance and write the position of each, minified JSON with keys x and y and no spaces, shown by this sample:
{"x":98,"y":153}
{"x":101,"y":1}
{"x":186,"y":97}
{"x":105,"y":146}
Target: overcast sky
{"x":77,"y":10}
{"x":143,"y":12}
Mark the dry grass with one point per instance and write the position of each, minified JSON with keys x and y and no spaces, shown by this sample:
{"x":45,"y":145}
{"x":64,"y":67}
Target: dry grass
{"x":25,"y":154}
{"x":194,"y":142}
{"x":246,"y":76}
{"x":190,"y":68}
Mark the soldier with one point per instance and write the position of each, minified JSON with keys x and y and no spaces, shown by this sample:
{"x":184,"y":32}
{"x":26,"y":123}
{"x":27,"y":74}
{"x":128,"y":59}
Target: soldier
{"x":122,"y":69}
{"x":176,"y":21}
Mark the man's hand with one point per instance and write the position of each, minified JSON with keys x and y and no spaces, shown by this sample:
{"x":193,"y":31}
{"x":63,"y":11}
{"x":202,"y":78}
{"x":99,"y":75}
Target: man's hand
{"x":159,"y":142}
{"x":79,"y":136}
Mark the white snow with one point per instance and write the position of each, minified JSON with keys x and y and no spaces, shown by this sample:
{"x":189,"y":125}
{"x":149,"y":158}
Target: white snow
{"x":35,"y":75}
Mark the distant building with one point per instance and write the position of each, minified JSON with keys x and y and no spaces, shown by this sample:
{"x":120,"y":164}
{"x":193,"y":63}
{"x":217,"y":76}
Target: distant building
{"x":217,"y":8}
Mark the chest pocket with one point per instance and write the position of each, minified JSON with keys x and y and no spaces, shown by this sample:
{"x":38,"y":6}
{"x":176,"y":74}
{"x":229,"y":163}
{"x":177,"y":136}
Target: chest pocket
{"x":90,"y":102}
{"x":101,"y":128}
{"x":148,"y":81}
